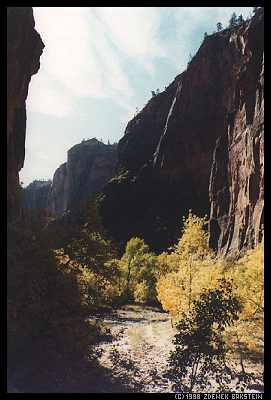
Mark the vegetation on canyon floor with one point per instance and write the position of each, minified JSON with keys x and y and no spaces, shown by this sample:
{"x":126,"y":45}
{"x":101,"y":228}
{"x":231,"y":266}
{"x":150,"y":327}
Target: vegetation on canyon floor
{"x":52,"y":291}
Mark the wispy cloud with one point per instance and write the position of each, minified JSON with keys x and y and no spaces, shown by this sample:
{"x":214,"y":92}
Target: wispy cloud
{"x":81,"y":54}
{"x":88,"y":49}
{"x":135,"y":30}
{"x":98,"y":65}
{"x":191,"y":23}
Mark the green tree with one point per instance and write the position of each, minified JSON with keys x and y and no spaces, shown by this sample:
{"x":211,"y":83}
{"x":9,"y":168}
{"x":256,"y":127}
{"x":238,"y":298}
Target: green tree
{"x":138,"y":267}
{"x":233,"y":20}
{"x":134,"y":251}
{"x":240,"y":19}
{"x":219,"y":27}
{"x":89,"y":247}
{"x":200,"y":351}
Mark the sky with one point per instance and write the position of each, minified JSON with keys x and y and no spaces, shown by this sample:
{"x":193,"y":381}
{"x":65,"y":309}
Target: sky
{"x":99,"y":66}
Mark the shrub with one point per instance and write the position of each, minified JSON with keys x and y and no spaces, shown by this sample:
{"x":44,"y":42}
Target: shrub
{"x":137,"y":265}
{"x":45,"y":308}
{"x":141,"y":292}
{"x":200,"y":352}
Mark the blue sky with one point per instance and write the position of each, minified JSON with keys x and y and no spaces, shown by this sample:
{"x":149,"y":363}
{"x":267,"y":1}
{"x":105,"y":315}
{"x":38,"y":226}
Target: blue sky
{"x":100,"y":64}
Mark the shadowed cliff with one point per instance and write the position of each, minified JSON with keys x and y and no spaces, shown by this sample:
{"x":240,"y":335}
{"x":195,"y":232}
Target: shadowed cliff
{"x":24,"y":48}
{"x":206,"y":124}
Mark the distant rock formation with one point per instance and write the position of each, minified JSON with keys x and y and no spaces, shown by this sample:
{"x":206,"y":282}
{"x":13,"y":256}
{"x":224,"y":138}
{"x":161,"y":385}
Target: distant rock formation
{"x":36,"y":195}
{"x":90,"y":165}
{"x":24,"y":48}
{"x":205,"y":130}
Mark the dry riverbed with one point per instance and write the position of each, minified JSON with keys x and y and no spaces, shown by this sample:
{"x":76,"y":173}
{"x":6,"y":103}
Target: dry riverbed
{"x":135,"y":360}
{"x":140,"y":349}
{"x":139,"y":353}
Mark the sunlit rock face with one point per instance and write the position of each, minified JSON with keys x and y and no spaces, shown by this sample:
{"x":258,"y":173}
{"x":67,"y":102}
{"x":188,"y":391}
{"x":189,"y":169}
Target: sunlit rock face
{"x":24,"y":48}
{"x":89,"y":166}
{"x":237,"y":176}
{"x":58,"y":200}
{"x":198,"y":145}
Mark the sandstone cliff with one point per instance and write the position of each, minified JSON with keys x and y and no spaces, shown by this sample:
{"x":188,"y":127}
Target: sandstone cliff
{"x":90,"y":164}
{"x":58,"y":199}
{"x":209,"y":119}
{"x":237,"y":176}
{"x":36,"y":195}
{"x":24,"y":48}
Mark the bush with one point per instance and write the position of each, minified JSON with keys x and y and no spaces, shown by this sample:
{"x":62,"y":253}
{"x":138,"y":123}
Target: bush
{"x":138,"y":270}
{"x":200,"y":352}
{"x":193,"y":267}
{"x":141,"y":292}
{"x":46,"y":310}
{"x":248,"y":284}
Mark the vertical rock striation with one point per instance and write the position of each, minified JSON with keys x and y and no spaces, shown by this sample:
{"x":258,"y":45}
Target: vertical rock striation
{"x":24,"y":48}
{"x":89,"y":166}
{"x":58,"y":198}
{"x":207,"y":123}
{"x":237,"y":176}
{"x":36,"y":195}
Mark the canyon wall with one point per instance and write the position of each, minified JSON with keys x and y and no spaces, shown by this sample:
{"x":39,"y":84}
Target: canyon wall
{"x":237,"y":176}
{"x":185,"y":148}
{"x":90,"y":164}
{"x":24,"y":48}
{"x":36,"y":195}
{"x":197,"y":145}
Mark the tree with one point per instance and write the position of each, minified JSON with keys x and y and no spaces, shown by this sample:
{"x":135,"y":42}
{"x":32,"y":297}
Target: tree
{"x":219,"y":27}
{"x":205,"y":35}
{"x":233,"y":20}
{"x":141,"y":292}
{"x":248,"y":285}
{"x":134,"y":251}
{"x":200,"y":352}
{"x":191,"y":266}
{"x":194,"y":238}
{"x":138,"y":265}
{"x":89,"y":247}
{"x":153,"y":93}
{"x":240,"y":19}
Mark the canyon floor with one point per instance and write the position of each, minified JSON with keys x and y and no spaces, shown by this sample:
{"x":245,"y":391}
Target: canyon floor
{"x":138,"y":354}
{"x":133,"y":360}
{"x":137,"y":357}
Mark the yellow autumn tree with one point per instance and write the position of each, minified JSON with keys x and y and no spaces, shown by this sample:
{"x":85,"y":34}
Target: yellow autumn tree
{"x":190,"y":267}
{"x":247,"y":275}
{"x":248,"y":278}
